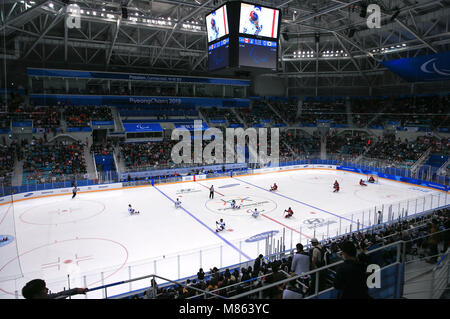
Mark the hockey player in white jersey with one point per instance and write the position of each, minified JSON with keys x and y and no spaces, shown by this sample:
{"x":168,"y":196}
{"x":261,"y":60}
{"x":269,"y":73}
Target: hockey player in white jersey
{"x":252,"y":24}
{"x":255,"y":213}
{"x":220,"y":225}
{"x":178,"y":203}
{"x":233,"y":205}
{"x":131,"y":210}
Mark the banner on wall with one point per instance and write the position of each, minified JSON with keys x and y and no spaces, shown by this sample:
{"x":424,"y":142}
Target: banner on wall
{"x":127,"y":101}
{"x":133,"y":77}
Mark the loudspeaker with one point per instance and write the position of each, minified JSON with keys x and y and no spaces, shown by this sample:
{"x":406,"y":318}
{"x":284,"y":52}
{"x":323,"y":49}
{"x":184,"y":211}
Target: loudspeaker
{"x":317,"y":37}
{"x":351,"y":33}
{"x":124,"y":13}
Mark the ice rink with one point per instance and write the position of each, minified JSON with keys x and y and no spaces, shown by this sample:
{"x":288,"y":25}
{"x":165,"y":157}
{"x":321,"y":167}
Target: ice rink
{"x":92,"y":240}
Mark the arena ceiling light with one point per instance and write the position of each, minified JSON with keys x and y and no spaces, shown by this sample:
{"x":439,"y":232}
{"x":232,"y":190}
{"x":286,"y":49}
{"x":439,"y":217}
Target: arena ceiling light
{"x":390,"y":49}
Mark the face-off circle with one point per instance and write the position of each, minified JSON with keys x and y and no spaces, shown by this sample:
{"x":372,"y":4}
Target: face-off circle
{"x":317,"y":178}
{"x":377,"y":195}
{"x":222,"y":205}
{"x":62,"y":212}
{"x":71,"y":256}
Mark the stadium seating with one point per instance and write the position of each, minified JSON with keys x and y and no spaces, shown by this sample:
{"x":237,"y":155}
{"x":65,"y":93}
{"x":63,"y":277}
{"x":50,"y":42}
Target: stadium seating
{"x":81,"y":116}
{"x":47,"y":163}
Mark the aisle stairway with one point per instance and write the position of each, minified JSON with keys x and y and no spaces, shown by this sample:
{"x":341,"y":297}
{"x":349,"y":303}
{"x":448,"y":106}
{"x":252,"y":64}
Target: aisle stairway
{"x":90,"y":165}
{"x":18,"y":174}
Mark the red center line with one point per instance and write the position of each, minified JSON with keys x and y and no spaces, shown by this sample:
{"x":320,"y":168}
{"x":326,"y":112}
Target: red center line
{"x":209,"y":188}
{"x":276,"y":221}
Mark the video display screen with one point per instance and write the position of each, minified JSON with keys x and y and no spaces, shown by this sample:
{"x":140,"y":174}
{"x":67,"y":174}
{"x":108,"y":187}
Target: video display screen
{"x":257,"y":53}
{"x":259,"y":21}
{"x":217,"y":24}
{"x":218,"y":55}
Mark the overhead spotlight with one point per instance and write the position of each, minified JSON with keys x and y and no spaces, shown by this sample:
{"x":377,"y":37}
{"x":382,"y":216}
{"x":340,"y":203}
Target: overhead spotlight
{"x":395,"y":15}
{"x":124,"y":13}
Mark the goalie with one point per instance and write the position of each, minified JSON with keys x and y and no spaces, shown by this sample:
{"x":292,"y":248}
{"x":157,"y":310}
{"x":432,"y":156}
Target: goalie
{"x":252,"y":24}
{"x":274,"y":187}
{"x":371,"y":179}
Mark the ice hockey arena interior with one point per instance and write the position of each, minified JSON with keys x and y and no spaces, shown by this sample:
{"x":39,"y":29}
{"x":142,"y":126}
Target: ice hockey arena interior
{"x":233,"y":151}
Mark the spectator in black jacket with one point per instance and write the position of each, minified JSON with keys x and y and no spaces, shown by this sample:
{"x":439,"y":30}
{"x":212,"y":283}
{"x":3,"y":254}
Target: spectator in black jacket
{"x":201,"y":275}
{"x":257,"y":265}
{"x":350,"y":277}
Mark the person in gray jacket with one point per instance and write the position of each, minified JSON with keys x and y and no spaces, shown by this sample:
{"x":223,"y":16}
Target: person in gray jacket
{"x":300,"y":261}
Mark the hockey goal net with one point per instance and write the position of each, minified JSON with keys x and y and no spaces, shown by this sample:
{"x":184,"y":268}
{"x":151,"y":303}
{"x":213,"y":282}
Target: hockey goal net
{"x":370,"y":177}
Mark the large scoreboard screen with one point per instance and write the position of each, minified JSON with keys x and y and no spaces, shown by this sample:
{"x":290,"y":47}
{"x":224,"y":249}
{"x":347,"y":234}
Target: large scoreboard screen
{"x":259,"y":21}
{"x":257,"y":53}
{"x":242,"y":35}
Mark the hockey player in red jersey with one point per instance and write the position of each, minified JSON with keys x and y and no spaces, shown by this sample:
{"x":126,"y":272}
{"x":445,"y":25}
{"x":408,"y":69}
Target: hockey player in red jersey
{"x":336,"y":187}
{"x":274,"y":187}
{"x":361,"y":182}
{"x":371,"y":179}
{"x":289,"y":212}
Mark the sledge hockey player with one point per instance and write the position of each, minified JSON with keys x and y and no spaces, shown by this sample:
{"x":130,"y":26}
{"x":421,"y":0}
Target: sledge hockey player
{"x":371,"y":179}
{"x":252,"y":25}
{"x":336,"y":187}
{"x":289,"y":212}
{"x":274,"y":187}
{"x":220,"y":225}
{"x":255,"y":213}
{"x":132,"y":210}
{"x":361,"y":182}
{"x":233,"y":205}
{"x":177,"y":203}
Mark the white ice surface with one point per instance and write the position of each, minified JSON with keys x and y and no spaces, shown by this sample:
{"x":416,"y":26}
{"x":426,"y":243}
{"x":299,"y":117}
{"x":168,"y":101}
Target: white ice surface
{"x":94,"y":240}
